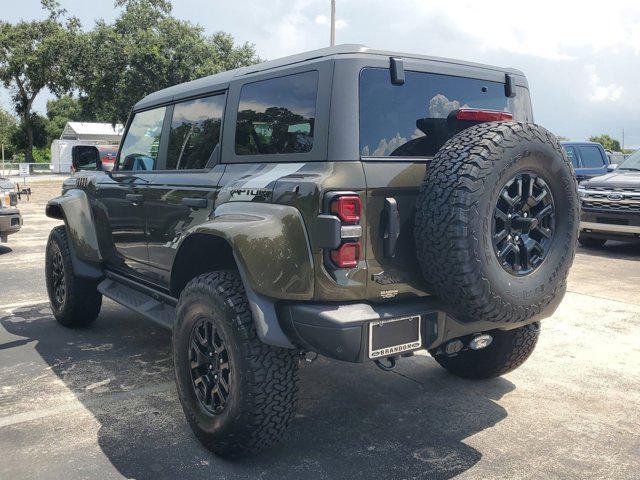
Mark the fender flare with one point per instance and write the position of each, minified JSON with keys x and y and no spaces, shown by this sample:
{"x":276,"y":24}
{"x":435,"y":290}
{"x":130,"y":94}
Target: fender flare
{"x":73,"y":208}
{"x":273,"y":255}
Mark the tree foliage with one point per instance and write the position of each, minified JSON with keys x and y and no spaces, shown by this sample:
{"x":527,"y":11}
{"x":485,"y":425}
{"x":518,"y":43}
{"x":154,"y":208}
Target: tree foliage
{"x":146,"y":49}
{"x":7,"y":126}
{"x":108,"y":68}
{"x":36,"y":55}
{"x":607,"y":142}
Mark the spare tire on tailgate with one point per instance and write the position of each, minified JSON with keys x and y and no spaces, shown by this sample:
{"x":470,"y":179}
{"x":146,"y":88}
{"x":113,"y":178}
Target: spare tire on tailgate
{"x":497,"y":221}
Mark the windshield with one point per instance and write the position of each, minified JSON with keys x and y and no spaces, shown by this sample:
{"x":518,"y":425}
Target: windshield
{"x":631,"y":163}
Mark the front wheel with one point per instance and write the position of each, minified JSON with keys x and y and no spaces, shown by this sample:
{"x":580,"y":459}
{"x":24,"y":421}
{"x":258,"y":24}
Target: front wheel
{"x":508,"y":350}
{"x":75,"y":301}
{"x":237,"y":393}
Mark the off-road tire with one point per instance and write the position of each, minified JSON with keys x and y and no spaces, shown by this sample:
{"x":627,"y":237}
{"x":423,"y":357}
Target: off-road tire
{"x":82,"y":301}
{"x":591,"y":242}
{"x":263,"y":386}
{"x":453,"y":223}
{"x":508,"y":350}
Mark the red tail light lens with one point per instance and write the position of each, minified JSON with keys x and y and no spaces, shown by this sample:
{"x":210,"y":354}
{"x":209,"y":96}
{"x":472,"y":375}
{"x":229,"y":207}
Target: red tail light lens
{"x":347,"y":208}
{"x":347,"y":256}
{"x":483,"y":115}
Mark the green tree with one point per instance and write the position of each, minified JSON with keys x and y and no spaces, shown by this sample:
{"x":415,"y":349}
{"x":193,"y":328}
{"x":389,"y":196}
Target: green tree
{"x":607,"y":142}
{"x":36,"y":55}
{"x":65,"y":109}
{"x":145,"y":49}
{"x":8,"y":124}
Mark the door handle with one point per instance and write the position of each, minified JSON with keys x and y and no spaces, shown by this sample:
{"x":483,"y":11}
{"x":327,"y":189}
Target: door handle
{"x":392,"y":227}
{"x":195,"y":202}
{"x":134,"y":198}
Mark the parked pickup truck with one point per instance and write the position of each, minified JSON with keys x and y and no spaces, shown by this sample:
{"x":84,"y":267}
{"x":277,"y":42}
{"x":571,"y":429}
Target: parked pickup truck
{"x":10,"y":218}
{"x":347,"y":202}
{"x":611,"y":205}
{"x":589,"y":159}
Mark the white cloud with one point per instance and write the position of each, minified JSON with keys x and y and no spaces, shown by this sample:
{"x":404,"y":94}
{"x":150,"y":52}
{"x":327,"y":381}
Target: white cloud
{"x":324,"y":21}
{"x":599,"y":92}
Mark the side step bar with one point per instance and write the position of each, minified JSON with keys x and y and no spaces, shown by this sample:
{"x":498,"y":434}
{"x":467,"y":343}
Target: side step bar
{"x":154,"y":305}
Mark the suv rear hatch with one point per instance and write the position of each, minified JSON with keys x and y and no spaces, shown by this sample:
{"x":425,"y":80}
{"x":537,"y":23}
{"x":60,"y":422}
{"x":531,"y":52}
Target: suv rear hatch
{"x":401,"y":129}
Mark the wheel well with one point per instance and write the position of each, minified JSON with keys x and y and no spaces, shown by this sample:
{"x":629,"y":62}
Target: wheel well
{"x":200,"y":253}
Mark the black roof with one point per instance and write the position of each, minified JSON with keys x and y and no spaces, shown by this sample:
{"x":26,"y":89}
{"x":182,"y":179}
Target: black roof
{"x":220,"y":81}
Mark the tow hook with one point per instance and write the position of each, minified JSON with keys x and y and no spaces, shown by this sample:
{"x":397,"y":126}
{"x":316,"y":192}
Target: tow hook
{"x":387,"y":367}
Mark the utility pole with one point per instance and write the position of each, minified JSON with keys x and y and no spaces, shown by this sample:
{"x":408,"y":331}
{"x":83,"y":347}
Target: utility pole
{"x":622,"y":139}
{"x":333,"y":22}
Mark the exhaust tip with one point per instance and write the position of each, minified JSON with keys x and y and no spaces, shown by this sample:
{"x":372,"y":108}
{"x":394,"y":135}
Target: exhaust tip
{"x":481,"y":341}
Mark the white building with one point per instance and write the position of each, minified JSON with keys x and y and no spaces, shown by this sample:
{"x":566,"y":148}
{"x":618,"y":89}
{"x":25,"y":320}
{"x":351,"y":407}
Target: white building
{"x":82,"y":133}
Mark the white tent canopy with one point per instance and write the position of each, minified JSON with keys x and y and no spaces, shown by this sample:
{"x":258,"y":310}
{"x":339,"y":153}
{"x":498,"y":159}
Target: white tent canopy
{"x":102,"y":132}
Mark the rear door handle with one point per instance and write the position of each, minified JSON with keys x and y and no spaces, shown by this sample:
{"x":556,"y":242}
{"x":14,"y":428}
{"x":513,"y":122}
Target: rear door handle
{"x":195,"y":202}
{"x":392,"y":227}
{"x":134,"y":198}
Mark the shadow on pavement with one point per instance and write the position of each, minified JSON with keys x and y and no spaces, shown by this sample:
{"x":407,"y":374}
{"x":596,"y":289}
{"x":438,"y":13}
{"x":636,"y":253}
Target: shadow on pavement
{"x":614,"y":250}
{"x":4,"y":250}
{"x":354,"y":421}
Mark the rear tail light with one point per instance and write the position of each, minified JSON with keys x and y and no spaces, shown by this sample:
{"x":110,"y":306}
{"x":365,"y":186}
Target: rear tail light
{"x":347,"y":255}
{"x":348,"y":208}
{"x":483,"y":115}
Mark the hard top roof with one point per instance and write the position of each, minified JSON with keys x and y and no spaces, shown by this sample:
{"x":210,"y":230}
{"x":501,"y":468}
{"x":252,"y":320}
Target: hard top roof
{"x":220,"y":81}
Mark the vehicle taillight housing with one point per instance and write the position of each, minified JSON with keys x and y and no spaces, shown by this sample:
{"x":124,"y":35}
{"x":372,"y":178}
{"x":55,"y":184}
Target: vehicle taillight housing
{"x":476,"y":115}
{"x":347,"y":255}
{"x":347,"y":208}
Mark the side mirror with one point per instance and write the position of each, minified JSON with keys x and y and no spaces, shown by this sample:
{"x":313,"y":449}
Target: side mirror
{"x":85,"y":157}
{"x":611,"y":167}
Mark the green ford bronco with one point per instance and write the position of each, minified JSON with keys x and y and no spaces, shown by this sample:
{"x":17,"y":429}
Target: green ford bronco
{"x":346,"y":202}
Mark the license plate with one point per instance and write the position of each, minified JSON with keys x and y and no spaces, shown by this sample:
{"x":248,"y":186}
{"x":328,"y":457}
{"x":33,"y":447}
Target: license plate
{"x":395,"y":336}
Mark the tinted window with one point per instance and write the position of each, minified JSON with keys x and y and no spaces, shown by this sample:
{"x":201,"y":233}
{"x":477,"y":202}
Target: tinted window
{"x":277,"y":115}
{"x":140,"y":147}
{"x":195,"y":133}
{"x":591,"y":156}
{"x":571,"y":153}
{"x":411,"y":119}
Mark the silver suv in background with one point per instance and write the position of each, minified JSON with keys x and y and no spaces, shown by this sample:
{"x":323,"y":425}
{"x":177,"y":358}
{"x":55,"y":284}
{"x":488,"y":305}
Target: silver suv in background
{"x":10,"y":219}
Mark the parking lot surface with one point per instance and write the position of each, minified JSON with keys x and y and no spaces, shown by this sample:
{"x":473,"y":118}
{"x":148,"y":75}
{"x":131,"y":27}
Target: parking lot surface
{"x":100,"y":402}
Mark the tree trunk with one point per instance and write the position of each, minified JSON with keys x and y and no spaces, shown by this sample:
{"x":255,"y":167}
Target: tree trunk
{"x":28,"y":153}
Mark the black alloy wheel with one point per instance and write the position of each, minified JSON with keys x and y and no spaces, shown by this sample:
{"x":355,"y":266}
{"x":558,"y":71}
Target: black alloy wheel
{"x":210,"y":367}
{"x":523,"y":224}
{"x":59,"y":285}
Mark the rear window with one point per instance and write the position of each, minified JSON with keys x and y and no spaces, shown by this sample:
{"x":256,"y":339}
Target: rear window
{"x":277,"y":115}
{"x":571,"y":153}
{"x":410,"y":120}
{"x":591,"y":156}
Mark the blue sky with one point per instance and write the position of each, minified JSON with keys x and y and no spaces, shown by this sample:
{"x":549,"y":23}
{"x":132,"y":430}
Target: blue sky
{"x":583,"y":62}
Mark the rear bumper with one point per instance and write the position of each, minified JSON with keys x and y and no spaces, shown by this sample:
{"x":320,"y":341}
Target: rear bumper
{"x":341,"y":330}
{"x":10,"y":222}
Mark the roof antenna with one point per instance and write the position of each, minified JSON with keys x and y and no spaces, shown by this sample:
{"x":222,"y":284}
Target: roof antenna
{"x":333,"y":23}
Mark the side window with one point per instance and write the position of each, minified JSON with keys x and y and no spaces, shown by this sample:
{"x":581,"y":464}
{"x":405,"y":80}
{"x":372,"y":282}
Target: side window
{"x":195,"y":133}
{"x":591,"y":156}
{"x":277,"y":115}
{"x":571,"y":153}
{"x":142,"y":142}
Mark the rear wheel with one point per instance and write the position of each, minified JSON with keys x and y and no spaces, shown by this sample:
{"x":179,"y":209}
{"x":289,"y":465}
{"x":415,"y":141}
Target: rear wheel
{"x":496,"y":222}
{"x":237,"y":393}
{"x":591,"y":242}
{"x":75,"y":301}
{"x":508,"y":350}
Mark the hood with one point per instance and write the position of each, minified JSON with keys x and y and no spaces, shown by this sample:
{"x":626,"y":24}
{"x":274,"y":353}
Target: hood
{"x":615,"y":180}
